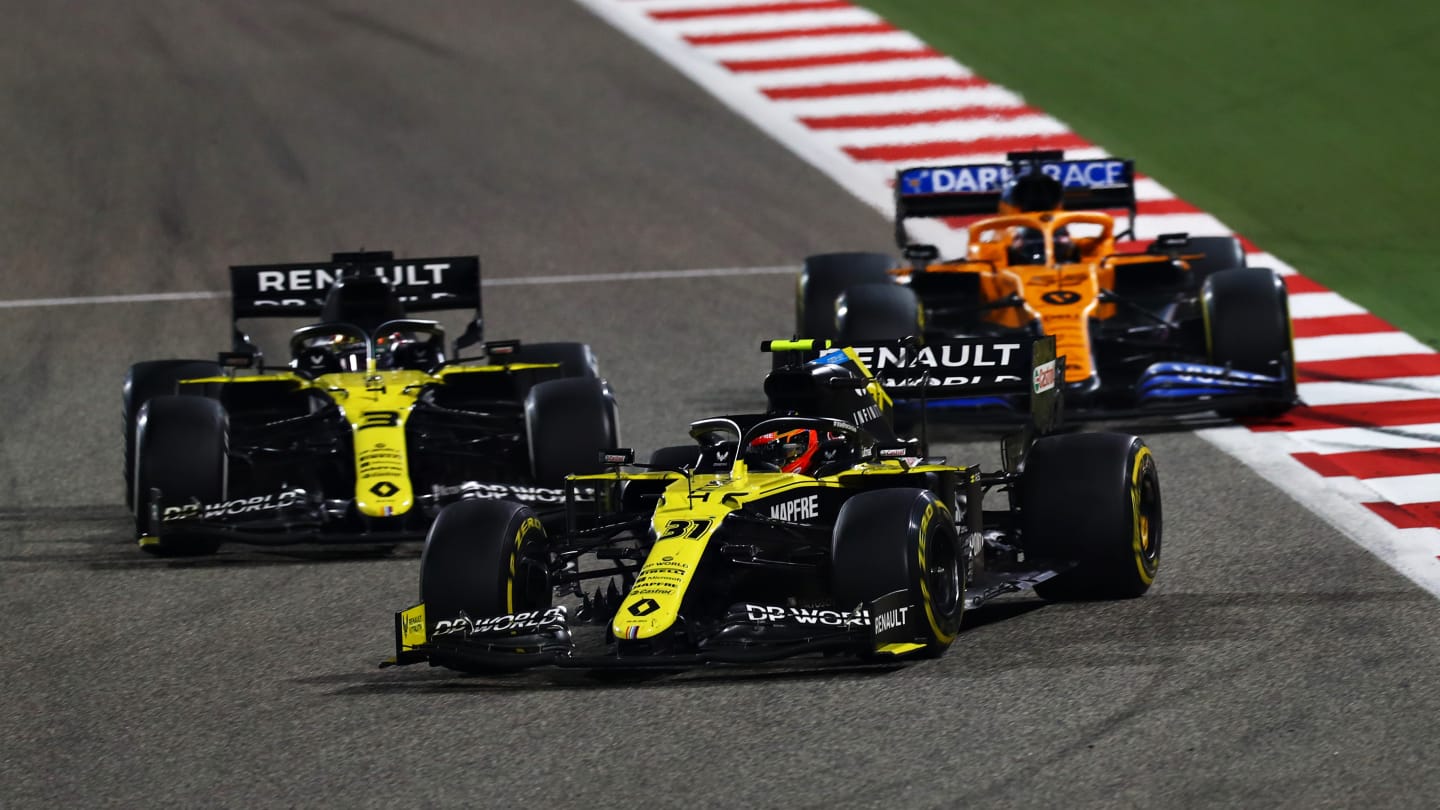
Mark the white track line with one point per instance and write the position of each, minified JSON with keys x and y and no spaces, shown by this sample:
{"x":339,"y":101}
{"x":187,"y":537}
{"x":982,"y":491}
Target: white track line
{"x":951,"y":131}
{"x":1322,"y":305}
{"x":1318,"y":394}
{"x":1351,"y":347}
{"x":773,"y":21}
{"x":812,"y":46}
{"x":950,"y":98}
{"x":1350,"y":439}
{"x":529,"y":281}
{"x":855,"y":72}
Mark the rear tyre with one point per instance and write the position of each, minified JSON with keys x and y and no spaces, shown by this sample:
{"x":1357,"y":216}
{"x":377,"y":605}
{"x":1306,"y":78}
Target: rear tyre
{"x":182,"y":450}
{"x":878,"y":312}
{"x":1247,"y":327}
{"x":1220,"y":253}
{"x":575,"y":359}
{"x":891,"y":540}
{"x":143,"y":382}
{"x":485,"y":558}
{"x":1092,"y":499}
{"x":568,"y":422}
{"x":824,"y":278}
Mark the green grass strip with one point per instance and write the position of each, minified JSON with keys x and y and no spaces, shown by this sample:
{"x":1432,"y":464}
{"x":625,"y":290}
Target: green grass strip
{"x":1310,"y":126}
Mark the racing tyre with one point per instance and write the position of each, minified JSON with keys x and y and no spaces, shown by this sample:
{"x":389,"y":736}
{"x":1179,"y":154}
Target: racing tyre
{"x":575,"y":359}
{"x":1247,"y":327}
{"x":485,"y":558}
{"x":1092,"y":499}
{"x":877,"y":312}
{"x":824,"y":278}
{"x":143,"y":382}
{"x":891,"y":540}
{"x":182,"y":447}
{"x":568,"y":422}
{"x":1221,"y":253}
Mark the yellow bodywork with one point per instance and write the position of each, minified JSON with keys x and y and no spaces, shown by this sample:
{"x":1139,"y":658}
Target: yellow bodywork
{"x":686,"y":518}
{"x":376,"y":404}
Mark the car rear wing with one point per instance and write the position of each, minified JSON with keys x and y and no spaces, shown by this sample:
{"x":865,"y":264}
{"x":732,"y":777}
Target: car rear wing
{"x":298,"y":291}
{"x":954,"y":367}
{"x":974,"y":189}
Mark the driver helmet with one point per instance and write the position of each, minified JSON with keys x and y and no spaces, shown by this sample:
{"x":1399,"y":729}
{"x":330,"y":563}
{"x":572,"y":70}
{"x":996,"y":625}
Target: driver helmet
{"x":403,"y":349}
{"x":1031,"y":191}
{"x":331,"y":354}
{"x":792,"y":451}
{"x":1027,"y":246}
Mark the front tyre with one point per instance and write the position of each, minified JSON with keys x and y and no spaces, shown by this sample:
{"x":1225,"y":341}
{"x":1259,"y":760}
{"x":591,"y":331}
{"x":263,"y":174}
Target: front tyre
{"x":143,"y":382}
{"x":1247,"y":328}
{"x":485,"y":558}
{"x":182,"y":453}
{"x":1092,"y":499}
{"x":902,"y":540}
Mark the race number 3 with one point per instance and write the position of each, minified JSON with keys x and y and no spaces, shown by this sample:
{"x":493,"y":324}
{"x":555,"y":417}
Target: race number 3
{"x":379,"y":419}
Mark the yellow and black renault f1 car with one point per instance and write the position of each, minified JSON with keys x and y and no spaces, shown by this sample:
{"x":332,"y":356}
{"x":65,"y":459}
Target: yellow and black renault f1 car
{"x":811,"y":528}
{"x":369,"y":429}
{"x":1183,"y":327}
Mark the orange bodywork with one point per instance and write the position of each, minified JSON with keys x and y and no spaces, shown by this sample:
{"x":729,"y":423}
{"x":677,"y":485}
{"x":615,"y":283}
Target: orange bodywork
{"x":1063,"y":296}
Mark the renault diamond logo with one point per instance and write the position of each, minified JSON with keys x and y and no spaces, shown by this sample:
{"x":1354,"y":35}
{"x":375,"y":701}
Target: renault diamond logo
{"x":384,"y":489}
{"x":644,"y":607}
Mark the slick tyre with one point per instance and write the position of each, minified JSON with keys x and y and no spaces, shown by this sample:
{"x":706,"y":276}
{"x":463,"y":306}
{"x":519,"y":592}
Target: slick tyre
{"x":878,"y":312}
{"x":575,"y":359}
{"x":485,"y":558}
{"x":1220,"y":253}
{"x":182,"y":451}
{"x":1092,"y":499}
{"x":1247,"y":327}
{"x":823,"y":278}
{"x":567,"y":423}
{"x":143,"y":382}
{"x":902,"y":540}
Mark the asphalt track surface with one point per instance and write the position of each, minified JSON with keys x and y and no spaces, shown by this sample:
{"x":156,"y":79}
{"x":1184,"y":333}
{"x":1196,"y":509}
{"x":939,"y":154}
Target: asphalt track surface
{"x":146,"y":146}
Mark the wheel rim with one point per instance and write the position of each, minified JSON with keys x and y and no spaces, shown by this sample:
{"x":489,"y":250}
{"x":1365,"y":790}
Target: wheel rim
{"x":1148,"y":511}
{"x":942,"y":575}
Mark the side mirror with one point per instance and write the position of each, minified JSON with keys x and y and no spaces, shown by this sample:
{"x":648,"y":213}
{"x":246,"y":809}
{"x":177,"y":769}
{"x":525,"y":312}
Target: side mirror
{"x":473,"y":334}
{"x":617,"y":457}
{"x":921,"y":256}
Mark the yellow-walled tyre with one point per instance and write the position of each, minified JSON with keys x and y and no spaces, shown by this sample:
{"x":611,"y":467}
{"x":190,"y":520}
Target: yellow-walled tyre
{"x":892,"y":540}
{"x":1092,"y":499}
{"x":485,"y":558}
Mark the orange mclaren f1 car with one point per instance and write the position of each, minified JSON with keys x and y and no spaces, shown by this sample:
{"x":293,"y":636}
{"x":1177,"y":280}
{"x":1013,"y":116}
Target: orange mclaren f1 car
{"x":1183,"y":326}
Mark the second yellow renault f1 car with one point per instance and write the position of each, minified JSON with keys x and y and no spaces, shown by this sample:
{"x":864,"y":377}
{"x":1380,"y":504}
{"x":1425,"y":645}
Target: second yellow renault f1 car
{"x":1184,"y":326}
{"x":809,"y":529}
{"x":369,"y":428}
